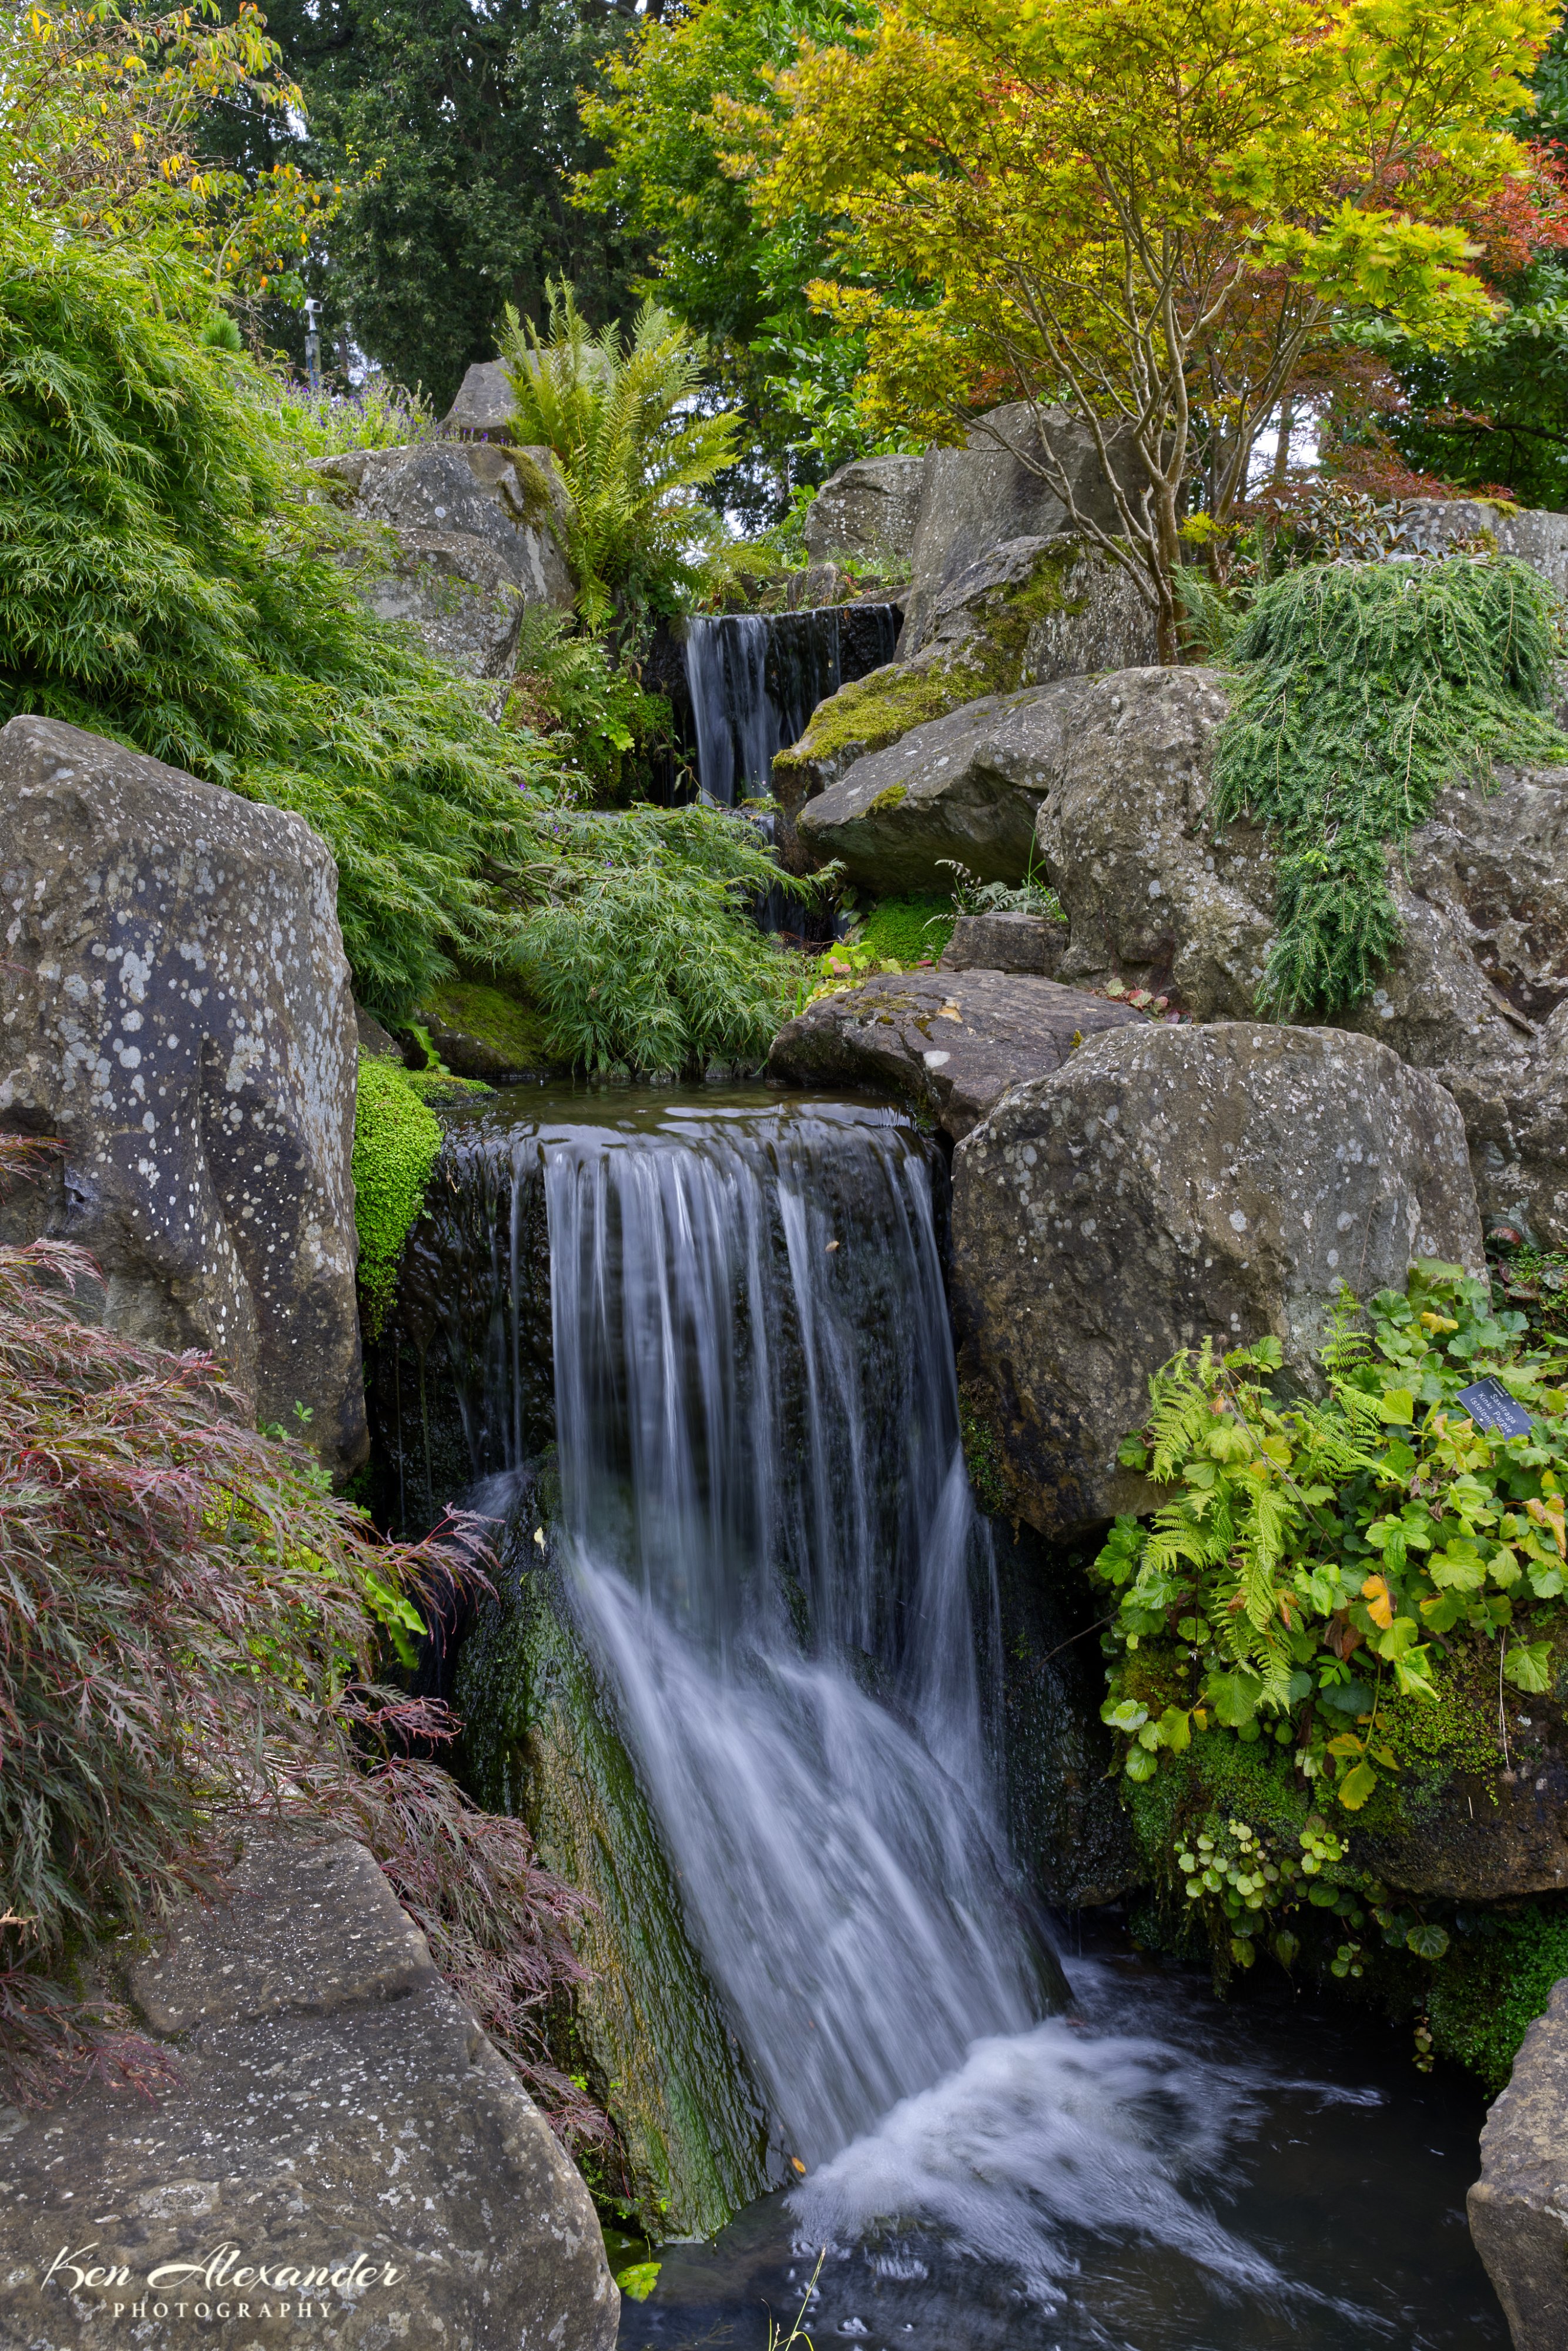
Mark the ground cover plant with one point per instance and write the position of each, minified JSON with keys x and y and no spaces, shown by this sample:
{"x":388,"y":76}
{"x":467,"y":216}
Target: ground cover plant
{"x":192,"y":1629}
{"x":1363,"y":689}
{"x":1339,"y":1604}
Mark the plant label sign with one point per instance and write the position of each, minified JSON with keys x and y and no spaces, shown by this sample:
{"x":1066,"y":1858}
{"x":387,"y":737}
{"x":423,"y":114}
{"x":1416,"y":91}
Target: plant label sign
{"x":1491,"y":1407}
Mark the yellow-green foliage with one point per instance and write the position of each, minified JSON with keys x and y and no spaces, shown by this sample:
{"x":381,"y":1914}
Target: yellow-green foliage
{"x":396,"y":1143}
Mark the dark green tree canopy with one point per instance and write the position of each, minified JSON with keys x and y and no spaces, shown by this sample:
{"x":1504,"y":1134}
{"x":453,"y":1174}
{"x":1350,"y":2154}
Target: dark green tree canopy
{"x":453,"y":125}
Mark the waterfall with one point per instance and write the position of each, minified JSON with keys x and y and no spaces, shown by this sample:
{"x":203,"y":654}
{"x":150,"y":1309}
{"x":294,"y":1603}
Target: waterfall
{"x":776,"y":1566}
{"x":754,"y":678}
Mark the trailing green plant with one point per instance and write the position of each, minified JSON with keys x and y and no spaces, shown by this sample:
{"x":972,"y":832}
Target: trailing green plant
{"x":164,"y":580}
{"x":397,"y":1141}
{"x":633,"y":446}
{"x":191,"y":1627}
{"x":645,"y":952}
{"x":1363,"y":689}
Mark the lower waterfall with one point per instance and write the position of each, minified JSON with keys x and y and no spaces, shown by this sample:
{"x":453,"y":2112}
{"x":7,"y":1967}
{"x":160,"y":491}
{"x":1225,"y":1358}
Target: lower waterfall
{"x":743,"y":1675}
{"x":779,"y":1569}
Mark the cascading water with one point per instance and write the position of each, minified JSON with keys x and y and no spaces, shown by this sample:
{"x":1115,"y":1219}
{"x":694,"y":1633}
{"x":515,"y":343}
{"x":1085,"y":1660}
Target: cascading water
{"x":778,"y":1565}
{"x":773,"y":1562}
{"x":754,"y":678}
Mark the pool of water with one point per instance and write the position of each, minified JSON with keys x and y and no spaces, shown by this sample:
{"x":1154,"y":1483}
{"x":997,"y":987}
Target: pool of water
{"x":1159,"y":2172}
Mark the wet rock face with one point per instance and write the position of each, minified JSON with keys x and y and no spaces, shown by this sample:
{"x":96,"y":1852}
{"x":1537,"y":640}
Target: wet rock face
{"x":1165,"y":1183}
{"x":477,"y":528}
{"x":1519,"y":2206}
{"x":178,"y":1008}
{"x":869,"y":508}
{"x":948,"y":1043}
{"x":339,"y":2116}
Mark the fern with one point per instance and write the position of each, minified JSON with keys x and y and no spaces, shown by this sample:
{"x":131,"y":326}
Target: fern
{"x":1365,"y":689}
{"x":632,"y":446}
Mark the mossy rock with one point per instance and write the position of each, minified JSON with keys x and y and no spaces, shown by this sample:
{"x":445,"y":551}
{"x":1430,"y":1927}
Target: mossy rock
{"x":484,"y":1030}
{"x":541,"y":1743}
{"x":1035,"y":611}
{"x":397,"y":1139}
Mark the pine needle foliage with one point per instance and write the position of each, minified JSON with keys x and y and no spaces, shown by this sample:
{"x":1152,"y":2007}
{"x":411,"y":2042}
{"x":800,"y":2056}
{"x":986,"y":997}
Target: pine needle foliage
{"x":620,"y":414}
{"x":1365,"y":689}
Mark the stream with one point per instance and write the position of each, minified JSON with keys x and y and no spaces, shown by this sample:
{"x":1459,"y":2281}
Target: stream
{"x":999,"y":2132}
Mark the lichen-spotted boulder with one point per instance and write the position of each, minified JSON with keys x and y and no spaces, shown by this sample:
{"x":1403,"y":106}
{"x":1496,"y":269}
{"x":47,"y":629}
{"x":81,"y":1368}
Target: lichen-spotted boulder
{"x":967,"y":788}
{"x":949,"y":1043}
{"x":1517,"y":2211}
{"x":1169,"y":1184}
{"x":177,"y":1005}
{"x":1024,"y":613}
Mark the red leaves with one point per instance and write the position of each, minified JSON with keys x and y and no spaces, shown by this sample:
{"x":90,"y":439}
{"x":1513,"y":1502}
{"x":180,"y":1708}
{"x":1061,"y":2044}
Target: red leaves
{"x":187,"y":1628}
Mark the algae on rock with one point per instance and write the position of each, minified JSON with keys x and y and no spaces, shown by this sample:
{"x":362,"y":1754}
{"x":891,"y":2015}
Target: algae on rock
{"x":541,"y":1743}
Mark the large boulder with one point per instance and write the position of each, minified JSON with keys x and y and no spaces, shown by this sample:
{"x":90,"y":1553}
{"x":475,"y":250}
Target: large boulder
{"x":343,"y":2154}
{"x":476,"y":531}
{"x":177,"y":1006}
{"x":1171,"y":1183}
{"x":1158,"y":894}
{"x":948,"y":1043}
{"x":966,"y":786}
{"x":1531,"y":534}
{"x":869,"y":508}
{"x":993,"y":489}
{"x":1029,"y":611}
{"x":1515,"y":1108}
{"x":1519,"y":2206}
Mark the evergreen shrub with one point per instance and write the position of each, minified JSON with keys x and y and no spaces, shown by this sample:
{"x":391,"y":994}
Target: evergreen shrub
{"x":1365,"y":688}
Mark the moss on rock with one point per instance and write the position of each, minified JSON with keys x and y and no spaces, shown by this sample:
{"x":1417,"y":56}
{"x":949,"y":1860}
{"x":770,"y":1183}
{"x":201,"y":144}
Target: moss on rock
{"x":540,"y":1743}
{"x":486,"y":1031}
{"x":978,"y":649}
{"x":397,"y":1140}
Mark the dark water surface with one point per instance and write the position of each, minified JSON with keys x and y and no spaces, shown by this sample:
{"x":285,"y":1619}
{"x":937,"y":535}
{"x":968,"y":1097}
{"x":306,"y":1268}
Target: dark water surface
{"x":1163,"y":2172}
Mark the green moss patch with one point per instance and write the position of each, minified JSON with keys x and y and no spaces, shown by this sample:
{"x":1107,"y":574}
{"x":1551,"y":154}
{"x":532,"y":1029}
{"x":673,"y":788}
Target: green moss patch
{"x":397,"y":1141}
{"x":872,"y":712}
{"x":902,"y":930}
{"x":509,"y":1026}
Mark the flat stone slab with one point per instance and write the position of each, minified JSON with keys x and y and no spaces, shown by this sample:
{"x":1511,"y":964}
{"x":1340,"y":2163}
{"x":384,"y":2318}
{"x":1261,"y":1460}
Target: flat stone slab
{"x":1004,"y":943}
{"x":1519,"y":2206}
{"x":346,"y":2160}
{"x":949,"y":1043}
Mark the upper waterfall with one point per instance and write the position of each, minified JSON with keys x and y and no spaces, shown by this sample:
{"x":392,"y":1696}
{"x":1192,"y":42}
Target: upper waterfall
{"x":754,"y":678}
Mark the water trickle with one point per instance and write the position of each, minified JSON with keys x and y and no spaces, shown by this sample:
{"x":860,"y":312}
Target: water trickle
{"x":754,"y":678}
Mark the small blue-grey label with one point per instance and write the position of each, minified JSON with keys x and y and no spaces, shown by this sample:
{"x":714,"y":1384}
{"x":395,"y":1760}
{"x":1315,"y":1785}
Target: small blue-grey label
{"x":1489,"y":1405}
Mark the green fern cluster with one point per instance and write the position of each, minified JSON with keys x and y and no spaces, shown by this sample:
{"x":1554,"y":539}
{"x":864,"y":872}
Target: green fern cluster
{"x":633,"y":448}
{"x":1365,"y":689}
{"x":1306,"y":1556}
